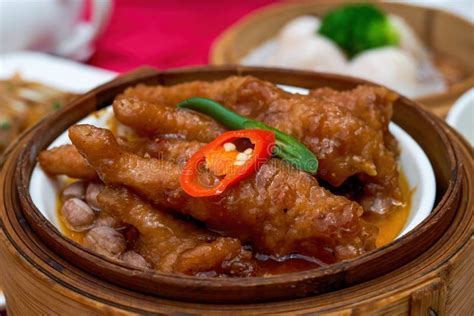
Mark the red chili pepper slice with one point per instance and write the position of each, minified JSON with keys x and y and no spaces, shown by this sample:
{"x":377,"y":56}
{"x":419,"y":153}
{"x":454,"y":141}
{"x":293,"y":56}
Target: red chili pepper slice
{"x":223,"y":162}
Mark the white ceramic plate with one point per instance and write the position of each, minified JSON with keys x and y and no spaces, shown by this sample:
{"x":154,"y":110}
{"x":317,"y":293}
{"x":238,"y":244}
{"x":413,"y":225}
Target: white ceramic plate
{"x":54,"y":71}
{"x":461,"y":116}
{"x":414,"y":164}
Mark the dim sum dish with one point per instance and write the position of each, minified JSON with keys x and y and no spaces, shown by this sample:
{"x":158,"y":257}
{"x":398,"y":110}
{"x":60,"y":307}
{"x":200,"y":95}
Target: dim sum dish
{"x":363,"y":41}
{"x":278,"y":218}
{"x":398,"y":45}
{"x":234,"y":180}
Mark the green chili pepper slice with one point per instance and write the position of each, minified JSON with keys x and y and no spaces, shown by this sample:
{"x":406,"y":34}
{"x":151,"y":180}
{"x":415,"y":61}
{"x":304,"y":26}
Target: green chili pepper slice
{"x":287,"y":147}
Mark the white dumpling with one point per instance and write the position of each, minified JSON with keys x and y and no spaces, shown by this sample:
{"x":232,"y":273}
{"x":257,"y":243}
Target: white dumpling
{"x":430,"y":80}
{"x":408,"y":40}
{"x":388,"y":66}
{"x":311,"y":53}
{"x":273,"y":51}
{"x":303,"y":26}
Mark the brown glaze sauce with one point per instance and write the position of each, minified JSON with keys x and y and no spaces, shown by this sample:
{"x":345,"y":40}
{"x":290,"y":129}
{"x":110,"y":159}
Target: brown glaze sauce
{"x":392,"y":224}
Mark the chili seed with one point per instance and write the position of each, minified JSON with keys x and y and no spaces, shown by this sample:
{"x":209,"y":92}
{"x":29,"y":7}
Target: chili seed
{"x":239,"y":163}
{"x":229,"y":147}
{"x":241,"y":157}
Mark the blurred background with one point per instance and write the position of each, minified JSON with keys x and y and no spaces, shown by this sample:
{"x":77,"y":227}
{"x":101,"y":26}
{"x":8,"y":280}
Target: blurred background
{"x":163,"y":34}
{"x":168,"y":34}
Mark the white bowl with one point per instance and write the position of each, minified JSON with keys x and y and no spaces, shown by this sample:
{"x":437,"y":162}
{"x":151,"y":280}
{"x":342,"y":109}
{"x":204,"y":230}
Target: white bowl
{"x":461,"y":116}
{"x":413,"y":161}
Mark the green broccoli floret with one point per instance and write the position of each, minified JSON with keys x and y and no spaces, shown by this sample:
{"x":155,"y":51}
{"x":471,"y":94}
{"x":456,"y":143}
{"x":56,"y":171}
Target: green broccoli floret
{"x":358,"y":27}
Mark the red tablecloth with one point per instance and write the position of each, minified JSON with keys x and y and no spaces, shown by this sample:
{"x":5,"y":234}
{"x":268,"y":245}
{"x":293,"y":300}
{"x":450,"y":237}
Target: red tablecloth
{"x":166,"y":34}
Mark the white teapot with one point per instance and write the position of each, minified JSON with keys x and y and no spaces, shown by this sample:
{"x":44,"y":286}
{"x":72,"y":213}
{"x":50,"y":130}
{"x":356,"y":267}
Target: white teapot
{"x":51,"y":26}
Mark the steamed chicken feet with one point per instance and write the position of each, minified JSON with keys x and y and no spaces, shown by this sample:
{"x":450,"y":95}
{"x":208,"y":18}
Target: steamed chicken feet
{"x":169,"y":244}
{"x":154,"y":120}
{"x":346,"y":144}
{"x":279,"y":210}
{"x":66,"y":160}
{"x":173,"y":245}
{"x":373,"y":105}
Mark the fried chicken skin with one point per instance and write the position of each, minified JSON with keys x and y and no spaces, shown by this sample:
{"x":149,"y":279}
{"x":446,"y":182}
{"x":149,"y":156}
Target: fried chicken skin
{"x":373,"y":105}
{"x":278,"y":210}
{"x":346,"y":144}
{"x":66,"y":160}
{"x":173,"y":245}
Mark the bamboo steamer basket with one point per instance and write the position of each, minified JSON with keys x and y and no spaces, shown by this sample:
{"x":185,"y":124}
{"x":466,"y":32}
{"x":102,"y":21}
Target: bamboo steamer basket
{"x":427,"y":272}
{"x":445,"y":34}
